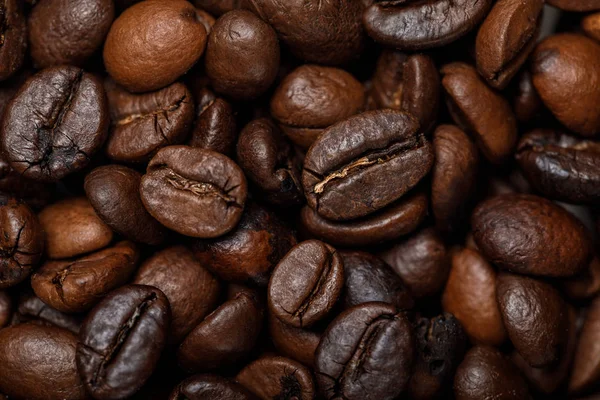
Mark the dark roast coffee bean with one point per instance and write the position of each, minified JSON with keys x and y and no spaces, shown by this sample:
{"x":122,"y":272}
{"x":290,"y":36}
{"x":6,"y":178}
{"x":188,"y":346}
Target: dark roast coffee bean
{"x":195,"y":192}
{"x":586,"y":366}
{"x":421,"y":261}
{"x":368,"y":278}
{"x":441,"y":344}
{"x":13,"y":30}
{"x":6,"y":308}
{"x":423,"y":24}
{"x":306,"y":284}
{"x":68,"y":31}
{"x":153,"y":43}
{"x":576,"y":5}
{"x":398,"y":219}
{"x":296,"y":343}
{"x":38,"y":363}
{"x":215,"y":126}
{"x":21,"y":241}
{"x":591,"y":25}
{"x":321,"y":32}
{"x":242,"y":55}
{"x":31,"y":309}
{"x":506,"y":38}
{"x":270,"y":162}
{"x":485,"y":373}
{"x":407,"y":83}
{"x":527,"y":104}
{"x":218,"y":7}
{"x":224,"y":337}
{"x":567,"y":67}
{"x":586,"y":284}
{"x":210,"y":387}
{"x":192,"y":290}
{"x":535,"y":317}
{"x":144,"y":123}
{"x":367,"y":351}
{"x":381,"y":152}
{"x":531,"y":235}
{"x":470,"y":296}
{"x":480,"y":111}
{"x":274,"y":377}
{"x":73,"y":228}
{"x":55,"y":123}
{"x":121,"y":340}
{"x":454,"y":176}
{"x":113,"y":191}
{"x":312,"y":98}
{"x":249,"y":252}
{"x":77,"y":285}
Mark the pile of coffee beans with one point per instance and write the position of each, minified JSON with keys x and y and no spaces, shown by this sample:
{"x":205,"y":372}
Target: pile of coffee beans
{"x":299,"y":199}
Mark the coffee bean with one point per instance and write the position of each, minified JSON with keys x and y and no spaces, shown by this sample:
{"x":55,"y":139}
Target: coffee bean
{"x":77,"y":285}
{"x":13,"y":29}
{"x":195,"y":192}
{"x":531,"y":235}
{"x":209,"y":387}
{"x":367,"y":351}
{"x":297,"y":343}
{"x":55,"y":123}
{"x":113,"y":191}
{"x":306,"y":284}
{"x":274,"y":377}
{"x":38,"y":363}
{"x":21,"y":241}
{"x":6,"y":308}
{"x":381,"y":152}
{"x":68,"y":31}
{"x":576,"y":5}
{"x":145,"y":123}
{"x":73,"y":228}
{"x":586,"y":366}
{"x":215,"y":126}
{"x":121,"y":340}
{"x":33,"y":310}
{"x":591,"y":25}
{"x":422,"y":25}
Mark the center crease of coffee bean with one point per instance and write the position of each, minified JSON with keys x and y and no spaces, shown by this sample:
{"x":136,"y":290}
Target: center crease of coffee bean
{"x":153,"y":114}
{"x":200,"y":188}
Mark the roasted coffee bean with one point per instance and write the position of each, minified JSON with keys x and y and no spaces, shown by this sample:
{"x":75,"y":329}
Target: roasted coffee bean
{"x":210,"y":387}
{"x":308,"y":101}
{"x":470,"y":296}
{"x":407,"y":83}
{"x":567,"y":67}
{"x":270,"y":162}
{"x":33,"y":193}
{"x":121,"y":340}
{"x":218,"y":7}
{"x":55,"y":123}
{"x":31,"y":309}
{"x":586,"y":366}
{"x":68,"y":31}
{"x":77,"y":285}
{"x":392,"y":222}
{"x":274,"y":377}
{"x":6,"y":308}
{"x":320,"y":32}
{"x":485,"y":373}
{"x":38,"y":363}
{"x":113,"y":191}
{"x":73,"y":228}
{"x":527,"y":104}
{"x":367,"y":351}
{"x":381,"y":152}
{"x":368,"y":278}
{"x":21,"y":241}
{"x":576,"y":5}
{"x":480,"y":111}
{"x":454,"y":176}
{"x":13,"y":31}
{"x":423,"y":24}
{"x":591,"y":25}
{"x":296,"y":343}
{"x":192,"y":290}
{"x":249,"y":252}
{"x":530,"y":235}
{"x":586,"y":284}
{"x":506,"y":38}
{"x":215,"y":126}
{"x":145,"y":123}
{"x":441,"y":344}
{"x":306,"y":284}
{"x":242,"y":55}
{"x":195,"y":192}
{"x":224,"y":337}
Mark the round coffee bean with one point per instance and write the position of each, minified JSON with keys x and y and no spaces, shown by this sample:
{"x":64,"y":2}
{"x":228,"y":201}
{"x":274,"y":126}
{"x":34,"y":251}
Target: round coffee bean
{"x":6,"y":308}
{"x":195,"y":192}
{"x":68,"y":31}
{"x":530,"y":235}
{"x":367,"y":351}
{"x":55,"y":123}
{"x":306,"y":284}
{"x":14,"y":37}
{"x":379,"y":152}
{"x":210,"y":387}
{"x":153,"y":43}
{"x":296,"y":343}
{"x":121,"y":340}
{"x":586,"y":366}
{"x":21,"y":241}
{"x":215,"y":127}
